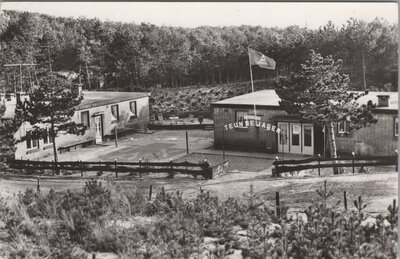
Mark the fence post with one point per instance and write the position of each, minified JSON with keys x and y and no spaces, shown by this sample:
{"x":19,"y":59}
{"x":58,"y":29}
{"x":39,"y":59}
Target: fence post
{"x":150,"y":192}
{"x":116,"y":168}
{"x":38,"y":185}
{"x":352,"y":161}
{"x":319,"y":164}
{"x":93,"y":256}
{"x":28,"y":167}
{"x":171,"y":173}
{"x":276,"y":168}
{"x":81,"y":167}
{"x":251,"y":196}
{"x":278,"y":205}
{"x":140,"y":168}
{"x":397,"y":160}
{"x":345,"y":200}
{"x":187,"y":143}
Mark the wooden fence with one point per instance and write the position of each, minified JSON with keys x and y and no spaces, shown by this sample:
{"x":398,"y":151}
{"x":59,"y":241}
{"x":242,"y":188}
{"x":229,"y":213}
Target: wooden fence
{"x":282,"y":166}
{"x":194,"y":169}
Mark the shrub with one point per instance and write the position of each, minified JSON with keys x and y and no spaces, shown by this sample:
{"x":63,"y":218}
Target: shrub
{"x":62,"y":225}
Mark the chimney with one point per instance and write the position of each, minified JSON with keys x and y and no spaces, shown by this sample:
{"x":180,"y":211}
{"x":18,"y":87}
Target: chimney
{"x":383,"y":100}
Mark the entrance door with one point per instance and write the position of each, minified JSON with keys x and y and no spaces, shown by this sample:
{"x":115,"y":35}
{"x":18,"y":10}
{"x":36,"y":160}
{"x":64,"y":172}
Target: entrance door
{"x":295,"y":138}
{"x":308,"y":139}
{"x":98,"y":121}
{"x":283,"y":137}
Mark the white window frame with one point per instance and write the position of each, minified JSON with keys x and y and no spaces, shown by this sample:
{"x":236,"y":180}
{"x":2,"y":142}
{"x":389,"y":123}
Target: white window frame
{"x":245,"y":113}
{"x":130,"y":110}
{"x":342,"y":127}
{"x":31,"y":140}
{"x":49,"y":139}
{"x":88,"y":118}
{"x":113,"y":119}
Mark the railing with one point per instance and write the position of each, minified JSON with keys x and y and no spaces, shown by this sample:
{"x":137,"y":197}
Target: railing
{"x":360,"y":161}
{"x":195,"y":169}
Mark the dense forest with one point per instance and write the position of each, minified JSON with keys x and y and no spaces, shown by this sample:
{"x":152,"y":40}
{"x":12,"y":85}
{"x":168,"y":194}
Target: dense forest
{"x":128,"y":56}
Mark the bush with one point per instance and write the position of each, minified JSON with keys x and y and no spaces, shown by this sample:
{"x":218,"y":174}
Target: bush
{"x":60,"y":225}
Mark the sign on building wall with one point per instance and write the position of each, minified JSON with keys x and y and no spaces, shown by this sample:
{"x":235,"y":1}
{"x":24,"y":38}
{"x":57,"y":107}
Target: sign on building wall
{"x":246,"y":123}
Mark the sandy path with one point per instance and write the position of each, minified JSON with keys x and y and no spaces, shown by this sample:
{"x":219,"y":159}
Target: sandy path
{"x":377,"y":189}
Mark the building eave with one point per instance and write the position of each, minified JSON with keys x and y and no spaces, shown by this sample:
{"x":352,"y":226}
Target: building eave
{"x":245,"y":106}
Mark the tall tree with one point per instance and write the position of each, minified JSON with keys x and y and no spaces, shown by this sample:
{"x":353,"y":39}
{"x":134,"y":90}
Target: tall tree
{"x":50,"y":108}
{"x":7,"y":129}
{"x":319,"y":94}
{"x":48,"y":47}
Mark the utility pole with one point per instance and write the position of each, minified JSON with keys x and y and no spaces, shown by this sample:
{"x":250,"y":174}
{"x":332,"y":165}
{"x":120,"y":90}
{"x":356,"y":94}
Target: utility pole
{"x":20,"y":65}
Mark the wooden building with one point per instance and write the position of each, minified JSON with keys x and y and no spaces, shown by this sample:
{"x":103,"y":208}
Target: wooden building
{"x":272,"y":130}
{"x":101,"y":112}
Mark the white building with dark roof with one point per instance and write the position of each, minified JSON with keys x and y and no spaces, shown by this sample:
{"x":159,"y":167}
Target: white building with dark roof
{"x":273,"y":130}
{"x":102,"y":113}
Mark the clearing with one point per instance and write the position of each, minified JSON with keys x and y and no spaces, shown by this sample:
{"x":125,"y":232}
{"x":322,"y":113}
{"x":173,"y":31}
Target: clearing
{"x":378,"y":187}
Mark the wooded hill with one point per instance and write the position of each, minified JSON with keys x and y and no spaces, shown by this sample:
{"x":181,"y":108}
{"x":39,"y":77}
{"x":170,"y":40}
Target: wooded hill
{"x":128,"y":56}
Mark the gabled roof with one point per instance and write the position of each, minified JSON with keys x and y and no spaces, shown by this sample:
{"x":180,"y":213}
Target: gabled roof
{"x":269,"y":99}
{"x":94,"y":98}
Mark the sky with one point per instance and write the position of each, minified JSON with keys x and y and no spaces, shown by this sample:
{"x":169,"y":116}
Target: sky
{"x":193,"y":14}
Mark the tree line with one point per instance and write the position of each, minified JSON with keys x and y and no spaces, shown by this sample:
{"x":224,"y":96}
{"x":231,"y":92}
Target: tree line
{"x":129,"y":56}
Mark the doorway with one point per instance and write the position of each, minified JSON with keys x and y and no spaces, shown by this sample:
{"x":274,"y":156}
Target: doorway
{"x":296,"y":138}
{"x":283,"y":141}
{"x":308,"y":139}
{"x":98,"y":121}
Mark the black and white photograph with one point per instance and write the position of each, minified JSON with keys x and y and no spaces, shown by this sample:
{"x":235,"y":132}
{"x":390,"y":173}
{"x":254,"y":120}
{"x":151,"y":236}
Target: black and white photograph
{"x":199,"y":130}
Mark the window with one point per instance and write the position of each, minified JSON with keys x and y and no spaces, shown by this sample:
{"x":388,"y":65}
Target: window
{"x":85,"y":118}
{"x":31,"y":142}
{"x":132,"y":107}
{"x":396,"y":126}
{"x":47,"y":139}
{"x":343,"y":127}
{"x":240,"y":115}
{"x":114,"y":113}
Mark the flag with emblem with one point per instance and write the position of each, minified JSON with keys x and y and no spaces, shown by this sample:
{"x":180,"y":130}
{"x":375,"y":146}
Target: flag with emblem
{"x":259,"y":59}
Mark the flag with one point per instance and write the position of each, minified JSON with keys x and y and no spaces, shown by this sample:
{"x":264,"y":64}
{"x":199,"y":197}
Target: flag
{"x":257,"y":58}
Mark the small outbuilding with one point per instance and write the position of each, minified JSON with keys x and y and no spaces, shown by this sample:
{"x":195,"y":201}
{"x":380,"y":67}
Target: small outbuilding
{"x":272,"y":130}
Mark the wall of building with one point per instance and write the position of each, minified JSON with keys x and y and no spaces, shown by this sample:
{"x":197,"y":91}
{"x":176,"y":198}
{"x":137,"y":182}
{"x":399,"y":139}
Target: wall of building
{"x":375,"y":139}
{"x":125,"y":121}
{"x":251,"y":138}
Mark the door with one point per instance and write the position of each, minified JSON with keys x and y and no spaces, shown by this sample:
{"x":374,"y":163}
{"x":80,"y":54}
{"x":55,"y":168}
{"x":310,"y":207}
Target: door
{"x":308,"y":139}
{"x":295,"y":138}
{"x":98,"y":121}
{"x":283,"y":137}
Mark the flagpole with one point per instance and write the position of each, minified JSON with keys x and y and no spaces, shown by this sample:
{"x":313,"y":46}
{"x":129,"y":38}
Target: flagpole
{"x":252,"y":85}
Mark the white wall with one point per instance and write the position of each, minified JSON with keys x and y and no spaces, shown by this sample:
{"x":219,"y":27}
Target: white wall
{"x":140,"y":122}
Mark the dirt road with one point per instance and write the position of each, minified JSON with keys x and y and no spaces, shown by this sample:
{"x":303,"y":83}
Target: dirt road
{"x":377,"y":189}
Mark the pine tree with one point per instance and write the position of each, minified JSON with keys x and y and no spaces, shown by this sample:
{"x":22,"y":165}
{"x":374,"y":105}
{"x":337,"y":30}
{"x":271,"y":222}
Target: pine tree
{"x":7,"y":129}
{"x":319,"y":94}
{"x":50,"y":108}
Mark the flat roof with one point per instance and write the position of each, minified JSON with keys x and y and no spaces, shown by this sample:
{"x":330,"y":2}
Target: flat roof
{"x":90,"y":99}
{"x":97,"y":98}
{"x":269,"y":98}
